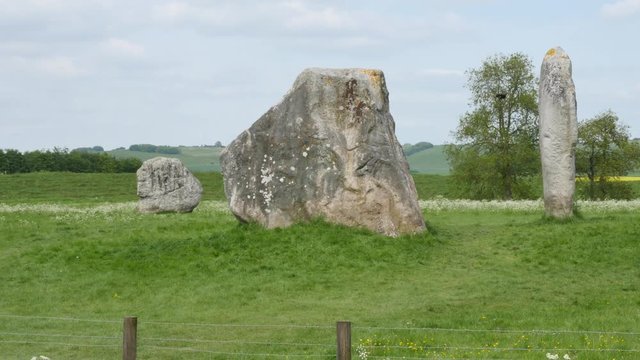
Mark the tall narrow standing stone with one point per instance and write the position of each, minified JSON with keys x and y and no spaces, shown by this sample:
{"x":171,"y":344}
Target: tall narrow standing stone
{"x":558,"y":133}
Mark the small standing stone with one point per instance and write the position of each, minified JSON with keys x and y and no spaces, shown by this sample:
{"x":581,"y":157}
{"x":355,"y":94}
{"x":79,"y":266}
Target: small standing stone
{"x":166,"y":185}
{"x":558,"y":133}
{"x":328,"y":150}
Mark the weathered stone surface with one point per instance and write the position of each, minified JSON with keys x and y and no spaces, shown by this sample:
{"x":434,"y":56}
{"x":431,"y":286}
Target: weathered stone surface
{"x":558,"y":133}
{"x":329,"y":150}
{"x":166,"y":185}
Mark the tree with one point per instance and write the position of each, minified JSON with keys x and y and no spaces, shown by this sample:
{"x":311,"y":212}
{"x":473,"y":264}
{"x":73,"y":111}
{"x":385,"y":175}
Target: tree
{"x":14,"y":162}
{"x":497,"y":151}
{"x":3,"y":163}
{"x":605,"y":152}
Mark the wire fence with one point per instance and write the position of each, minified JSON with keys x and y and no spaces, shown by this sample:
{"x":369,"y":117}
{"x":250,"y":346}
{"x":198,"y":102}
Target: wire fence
{"x":24,"y":337}
{"x":70,"y":337}
{"x":461,"y":343}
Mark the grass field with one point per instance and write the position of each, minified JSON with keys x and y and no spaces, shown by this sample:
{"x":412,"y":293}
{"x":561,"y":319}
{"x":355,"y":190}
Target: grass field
{"x":73,"y":188}
{"x":482,"y":284}
{"x":94,"y":188}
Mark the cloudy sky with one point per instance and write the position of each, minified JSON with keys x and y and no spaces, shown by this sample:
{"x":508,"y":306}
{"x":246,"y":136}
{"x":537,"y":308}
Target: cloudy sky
{"x":189,"y":72}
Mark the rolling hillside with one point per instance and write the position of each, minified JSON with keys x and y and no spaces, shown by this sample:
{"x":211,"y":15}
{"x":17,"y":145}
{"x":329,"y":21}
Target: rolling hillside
{"x":429,"y":161}
{"x":196,"y":158}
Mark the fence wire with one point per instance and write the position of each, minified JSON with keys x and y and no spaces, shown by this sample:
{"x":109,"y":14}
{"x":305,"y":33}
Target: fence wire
{"x":302,"y":341}
{"x":233,"y":354}
{"x":502,"y":331}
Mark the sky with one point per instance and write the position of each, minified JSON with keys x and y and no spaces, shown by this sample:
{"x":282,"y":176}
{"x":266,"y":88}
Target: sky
{"x":112,"y":73}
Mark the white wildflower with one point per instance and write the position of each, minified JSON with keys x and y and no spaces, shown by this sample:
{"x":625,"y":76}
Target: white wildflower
{"x":214,"y":206}
{"x":566,"y":357}
{"x":362,"y":352}
{"x":552,"y":356}
{"x":443,"y":204}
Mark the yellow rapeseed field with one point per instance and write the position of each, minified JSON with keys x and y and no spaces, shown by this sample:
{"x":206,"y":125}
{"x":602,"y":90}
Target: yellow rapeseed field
{"x":619,"y":178}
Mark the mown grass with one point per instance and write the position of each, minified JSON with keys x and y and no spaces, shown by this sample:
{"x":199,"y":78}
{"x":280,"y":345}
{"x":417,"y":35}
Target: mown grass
{"x":86,"y":188}
{"x":99,"y":188}
{"x":474,"y":270}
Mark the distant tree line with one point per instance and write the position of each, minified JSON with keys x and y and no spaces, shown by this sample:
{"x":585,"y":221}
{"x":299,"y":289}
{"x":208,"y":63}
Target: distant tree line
{"x":416,"y":148}
{"x":162,"y":149}
{"x":90,"y":149}
{"x":13,"y":161}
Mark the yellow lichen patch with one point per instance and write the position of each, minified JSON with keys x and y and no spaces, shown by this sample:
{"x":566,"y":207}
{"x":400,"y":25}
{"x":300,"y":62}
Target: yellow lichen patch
{"x":551,"y":52}
{"x":374,"y":75}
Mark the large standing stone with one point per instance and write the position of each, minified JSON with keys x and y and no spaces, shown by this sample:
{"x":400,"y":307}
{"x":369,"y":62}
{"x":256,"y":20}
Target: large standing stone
{"x":329,"y":150}
{"x":166,"y":185}
{"x":558,"y":133}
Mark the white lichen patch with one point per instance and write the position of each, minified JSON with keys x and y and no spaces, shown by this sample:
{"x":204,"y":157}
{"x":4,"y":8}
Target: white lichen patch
{"x":266,"y":176}
{"x":267,"y":195}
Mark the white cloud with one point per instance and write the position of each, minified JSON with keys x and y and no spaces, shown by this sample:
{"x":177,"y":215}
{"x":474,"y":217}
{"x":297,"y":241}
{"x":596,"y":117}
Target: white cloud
{"x":59,"y":66}
{"x":56,"y":66}
{"x":452,"y":21}
{"x":301,"y":16}
{"x":170,"y":11}
{"x":122,"y":47}
{"x":220,"y":14}
{"x":621,"y":8}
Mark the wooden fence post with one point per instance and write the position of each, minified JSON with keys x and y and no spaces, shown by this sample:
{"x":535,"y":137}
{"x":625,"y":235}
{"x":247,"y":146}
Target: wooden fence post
{"x":129,"y":338}
{"x":343,"y":335}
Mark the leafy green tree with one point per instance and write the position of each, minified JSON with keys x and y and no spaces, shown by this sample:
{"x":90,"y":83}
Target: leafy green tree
{"x":129,"y":165}
{"x":14,"y":162}
{"x":496,"y":153}
{"x":3,"y":162}
{"x":605,"y":152}
{"x":80,"y":162}
{"x":163,"y":149}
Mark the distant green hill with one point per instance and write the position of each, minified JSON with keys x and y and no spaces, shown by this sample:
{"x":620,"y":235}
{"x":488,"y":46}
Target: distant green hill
{"x":196,"y":158}
{"x":207,"y":159}
{"x":429,"y":161}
